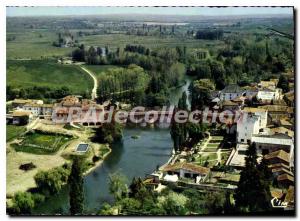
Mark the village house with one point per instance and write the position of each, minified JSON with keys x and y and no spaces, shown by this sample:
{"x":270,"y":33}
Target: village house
{"x":21,"y":117}
{"x":81,"y":110}
{"x":277,"y":112}
{"x":269,"y":143}
{"x":267,"y":95}
{"x":19,"y":103}
{"x":229,"y":105}
{"x":250,"y":91}
{"x":185,"y":170}
{"x":39,"y":109}
{"x":267,"y":91}
{"x":230,"y":92}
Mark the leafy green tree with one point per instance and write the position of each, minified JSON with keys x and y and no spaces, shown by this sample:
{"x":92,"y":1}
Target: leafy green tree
{"x":117,"y":186}
{"x":23,"y":203}
{"x":182,"y":103}
{"x":283,"y":83}
{"x":51,"y":181}
{"x":108,"y":133}
{"x":173,"y":203}
{"x":200,"y":93}
{"x":76,"y":187}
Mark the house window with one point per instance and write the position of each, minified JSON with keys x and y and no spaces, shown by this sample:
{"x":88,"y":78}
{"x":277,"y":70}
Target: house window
{"x":242,"y":140}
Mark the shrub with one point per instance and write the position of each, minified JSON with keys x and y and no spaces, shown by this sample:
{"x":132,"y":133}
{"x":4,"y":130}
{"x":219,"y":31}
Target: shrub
{"x":27,"y":166}
{"x":95,"y":158}
{"x":23,"y":203}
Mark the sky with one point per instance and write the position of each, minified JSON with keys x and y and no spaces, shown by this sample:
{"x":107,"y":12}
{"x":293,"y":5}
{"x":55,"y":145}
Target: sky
{"x":63,"y":10}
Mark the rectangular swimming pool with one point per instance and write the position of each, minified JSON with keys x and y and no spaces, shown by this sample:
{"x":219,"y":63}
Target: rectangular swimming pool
{"x":82,"y":147}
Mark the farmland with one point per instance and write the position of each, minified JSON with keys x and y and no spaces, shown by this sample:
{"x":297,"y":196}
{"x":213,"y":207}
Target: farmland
{"x":22,"y":74}
{"x":33,"y":44}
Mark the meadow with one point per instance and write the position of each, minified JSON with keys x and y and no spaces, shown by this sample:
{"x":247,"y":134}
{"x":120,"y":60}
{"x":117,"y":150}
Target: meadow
{"x":37,"y":43}
{"x":121,"y":40}
{"x":22,"y":74}
{"x":33,"y":44}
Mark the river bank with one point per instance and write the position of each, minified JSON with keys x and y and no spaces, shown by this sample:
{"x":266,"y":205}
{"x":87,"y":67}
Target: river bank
{"x":131,"y":157}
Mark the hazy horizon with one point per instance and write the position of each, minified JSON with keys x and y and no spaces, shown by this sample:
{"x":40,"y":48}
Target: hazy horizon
{"x":12,"y":11}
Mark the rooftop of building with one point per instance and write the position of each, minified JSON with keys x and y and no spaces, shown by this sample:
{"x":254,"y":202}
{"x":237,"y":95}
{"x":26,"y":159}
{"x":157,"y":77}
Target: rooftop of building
{"x":275,"y":108}
{"x":285,"y":176}
{"x":187,"y":166}
{"x":280,"y":154}
{"x":229,"y":103}
{"x":276,"y":139}
{"x":232,"y":88}
{"x":254,"y":110}
{"x":282,"y":130}
{"x":21,"y":113}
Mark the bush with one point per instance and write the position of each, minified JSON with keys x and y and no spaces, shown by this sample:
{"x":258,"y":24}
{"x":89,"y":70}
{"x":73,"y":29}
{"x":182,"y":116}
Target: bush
{"x":51,"y":182}
{"x":27,"y":166}
{"x":96,"y":158}
{"x":23,"y":203}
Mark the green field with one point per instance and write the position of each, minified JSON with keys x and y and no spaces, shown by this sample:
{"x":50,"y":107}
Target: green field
{"x":213,"y":145}
{"x":13,"y":131}
{"x":24,"y":74}
{"x":37,"y":43}
{"x":120,"y":40}
{"x":39,"y":143}
{"x":29,"y":44}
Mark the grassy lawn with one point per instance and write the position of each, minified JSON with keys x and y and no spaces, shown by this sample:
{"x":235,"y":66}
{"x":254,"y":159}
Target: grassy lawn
{"x":214,"y":145}
{"x":210,"y":150}
{"x":38,"y":143}
{"x":220,"y":138}
{"x":207,"y":156}
{"x":224,"y":156}
{"x":13,"y":131}
{"x":42,"y":73}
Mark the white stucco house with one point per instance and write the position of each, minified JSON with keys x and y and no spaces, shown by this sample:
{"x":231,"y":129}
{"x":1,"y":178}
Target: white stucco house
{"x":185,"y":170}
{"x":39,"y":109}
{"x":269,"y":95}
{"x":252,"y":121}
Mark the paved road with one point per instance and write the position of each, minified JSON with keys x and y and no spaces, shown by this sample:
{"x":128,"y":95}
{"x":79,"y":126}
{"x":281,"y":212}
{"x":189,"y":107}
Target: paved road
{"x":94,"y":91}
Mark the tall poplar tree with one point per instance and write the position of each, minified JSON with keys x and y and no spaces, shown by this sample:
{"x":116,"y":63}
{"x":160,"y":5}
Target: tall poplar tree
{"x":76,"y":187}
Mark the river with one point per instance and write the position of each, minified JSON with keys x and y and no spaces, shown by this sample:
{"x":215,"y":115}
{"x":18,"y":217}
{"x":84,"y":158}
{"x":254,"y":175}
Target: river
{"x":131,"y":157}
